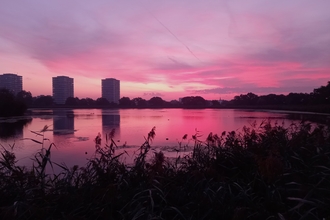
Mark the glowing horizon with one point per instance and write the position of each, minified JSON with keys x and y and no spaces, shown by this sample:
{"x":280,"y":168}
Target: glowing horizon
{"x":215,"y":49}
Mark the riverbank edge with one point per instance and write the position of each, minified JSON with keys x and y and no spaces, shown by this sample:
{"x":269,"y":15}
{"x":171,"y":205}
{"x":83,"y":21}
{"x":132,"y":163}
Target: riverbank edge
{"x":325,"y":109}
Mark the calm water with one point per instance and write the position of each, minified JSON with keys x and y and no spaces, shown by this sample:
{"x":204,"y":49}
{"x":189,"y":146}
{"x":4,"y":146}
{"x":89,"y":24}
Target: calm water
{"x":73,"y":131}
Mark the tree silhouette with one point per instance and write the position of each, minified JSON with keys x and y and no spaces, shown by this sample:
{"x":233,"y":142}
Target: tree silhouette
{"x":72,"y":101}
{"x":248,"y":99}
{"x":156,"y":102}
{"x":44,"y":101}
{"x":125,"y":102}
{"x":102,"y":102}
{"x":87,"y":102}
{"x":25,"y":97}
{"x":322,"y":95}
{"x":193,"y":102}
{"x":140,"y":102}
{"x":10,"y":106}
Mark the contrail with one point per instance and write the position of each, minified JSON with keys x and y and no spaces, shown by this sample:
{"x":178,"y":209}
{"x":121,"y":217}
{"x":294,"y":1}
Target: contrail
{"x":174,"y":36}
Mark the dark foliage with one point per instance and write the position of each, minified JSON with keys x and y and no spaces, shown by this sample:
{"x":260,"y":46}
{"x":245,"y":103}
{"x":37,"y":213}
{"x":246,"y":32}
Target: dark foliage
{"x":266,"y":171}
{"x":10,"y":105}
{"x":156,"y":102}
{"x":140,"y":102}
{"x":72,"y":101}
{"x":193,"y":102}
{"x":316,"y":101}
{"x":102,"y":102}
{"x":125,"y":102}
{"x":43,"y":101}
{"x":25,"y":97}
{"x":320,"y":96}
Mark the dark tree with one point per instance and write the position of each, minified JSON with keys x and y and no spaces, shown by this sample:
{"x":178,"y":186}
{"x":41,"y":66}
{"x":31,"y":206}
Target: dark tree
{"x":83,"y":102}
{"x":156,"y":102}
{"x":194,"y":102}
{"x":72,"y":101}
{"x":297,"y":99}
{"x":86,"y":102}
{"x":175,"y":104}
{"x":321,"y":95}
{"x":252,"y":99}
{"x":102,"y":102}
{"x":140,"y":102}
{"x":43,"y":101}
{"x":248,"y":99}
{"x":125,"y":102}
{"x":215,"y":103}
{"x":25,"y":97}
{"x":271,"y":99}
{"x":9,"y":105}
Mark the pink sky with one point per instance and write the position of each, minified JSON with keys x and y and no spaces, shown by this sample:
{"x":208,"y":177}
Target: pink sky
{"x":213,"y":48}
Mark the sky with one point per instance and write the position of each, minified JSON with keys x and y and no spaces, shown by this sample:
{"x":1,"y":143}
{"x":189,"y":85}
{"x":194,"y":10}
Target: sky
{"x":168,"y":48}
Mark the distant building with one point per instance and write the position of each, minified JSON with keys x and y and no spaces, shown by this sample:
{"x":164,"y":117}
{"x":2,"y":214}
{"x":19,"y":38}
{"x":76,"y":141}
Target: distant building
{"x":62,"y":89}
{"x":12,"y":82}
{"x":111,"y":90}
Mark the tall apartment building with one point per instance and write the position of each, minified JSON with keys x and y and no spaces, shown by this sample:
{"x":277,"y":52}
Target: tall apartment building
{"x":111,"y":89}
{"x":12,"y":82}
{"x":62,"y":89}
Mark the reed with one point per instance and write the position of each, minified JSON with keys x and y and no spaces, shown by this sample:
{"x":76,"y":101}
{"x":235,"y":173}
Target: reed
{"x":264,"y":171}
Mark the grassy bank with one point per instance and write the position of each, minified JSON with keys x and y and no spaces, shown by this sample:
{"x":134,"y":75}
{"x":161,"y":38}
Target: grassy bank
{"x":263,"y":172}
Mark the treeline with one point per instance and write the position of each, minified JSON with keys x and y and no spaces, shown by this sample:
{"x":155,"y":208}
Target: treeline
{"x":124,"y":102}
{"x":297,"y":101}
{"x":316,"y":101}
{"x":318,"y":96}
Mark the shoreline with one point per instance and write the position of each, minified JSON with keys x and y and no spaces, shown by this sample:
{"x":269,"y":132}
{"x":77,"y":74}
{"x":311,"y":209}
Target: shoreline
{"x":318,"y":109}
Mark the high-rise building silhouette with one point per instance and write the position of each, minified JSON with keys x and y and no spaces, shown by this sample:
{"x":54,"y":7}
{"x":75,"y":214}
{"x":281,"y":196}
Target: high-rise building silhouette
{"x":12,"y":82}
{"x":111,"y":89}
{"x":62,"y":89}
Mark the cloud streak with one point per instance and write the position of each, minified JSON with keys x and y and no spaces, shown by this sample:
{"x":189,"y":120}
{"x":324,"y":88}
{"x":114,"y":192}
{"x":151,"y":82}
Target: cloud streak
{"x":174,"y":35}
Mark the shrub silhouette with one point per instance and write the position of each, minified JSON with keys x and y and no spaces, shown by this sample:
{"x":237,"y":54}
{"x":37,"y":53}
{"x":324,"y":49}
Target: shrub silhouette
{"x":262,"y":172}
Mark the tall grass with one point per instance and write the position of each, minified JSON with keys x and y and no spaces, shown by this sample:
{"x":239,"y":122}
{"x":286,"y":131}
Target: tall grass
{"x":266,"y":171}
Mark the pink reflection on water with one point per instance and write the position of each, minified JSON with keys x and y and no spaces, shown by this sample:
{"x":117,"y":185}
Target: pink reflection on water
{"x":74,"y":131}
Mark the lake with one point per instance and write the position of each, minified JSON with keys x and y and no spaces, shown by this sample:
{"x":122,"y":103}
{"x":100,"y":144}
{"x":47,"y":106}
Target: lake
{"x":73,"y":130}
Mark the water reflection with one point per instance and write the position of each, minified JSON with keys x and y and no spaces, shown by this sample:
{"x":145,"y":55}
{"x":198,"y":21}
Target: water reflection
{"x":110,"y":121}
{"x":74,"y":131}
{"x":318,"y":118}
{"x":63,"y":122}
{"x":13,"y":128}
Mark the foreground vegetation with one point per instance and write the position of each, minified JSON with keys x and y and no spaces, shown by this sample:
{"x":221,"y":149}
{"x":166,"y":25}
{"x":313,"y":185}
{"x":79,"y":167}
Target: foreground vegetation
{"x":263,"y":172}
